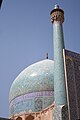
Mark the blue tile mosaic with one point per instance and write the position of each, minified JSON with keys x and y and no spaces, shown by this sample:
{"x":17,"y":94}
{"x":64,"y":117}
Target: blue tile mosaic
{"x":60,"y":112}
{"x":33,"y":85}
{"x":31,"y":102}
{"x":59,"y":78}
{"x":73,"y":81}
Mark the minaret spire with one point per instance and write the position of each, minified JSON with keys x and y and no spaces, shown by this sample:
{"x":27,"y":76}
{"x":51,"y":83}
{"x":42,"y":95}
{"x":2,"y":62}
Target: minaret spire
{"x":57,"y":18}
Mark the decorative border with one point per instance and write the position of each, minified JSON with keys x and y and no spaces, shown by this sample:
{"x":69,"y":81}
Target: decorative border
{"x":28,"y":102}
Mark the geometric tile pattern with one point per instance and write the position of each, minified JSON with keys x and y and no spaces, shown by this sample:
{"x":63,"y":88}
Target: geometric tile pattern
{"x":73,"y":82}
{"x":31,"y":102}
{"x":60,"y":112}
{"x":59,"y":78}
{"x":35,"y":79}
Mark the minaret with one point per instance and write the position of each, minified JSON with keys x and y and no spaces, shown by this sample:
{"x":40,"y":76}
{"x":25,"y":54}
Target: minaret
{"x":57,"y":18}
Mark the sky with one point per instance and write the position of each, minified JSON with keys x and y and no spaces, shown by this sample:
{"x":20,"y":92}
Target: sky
{"x":26,"y":35}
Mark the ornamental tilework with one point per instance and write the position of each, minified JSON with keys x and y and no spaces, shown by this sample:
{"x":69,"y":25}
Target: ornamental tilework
{"x":73,"y":81}
{"x":59,"y":78}
{"x":35,"y":78}
{"x":38,"y":104}
{"x":60,"y":112}
{"x":31,"y":102}
{"x":57,"y":113}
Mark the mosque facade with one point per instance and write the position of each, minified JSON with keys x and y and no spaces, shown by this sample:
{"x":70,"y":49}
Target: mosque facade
{"x":48,"y":90}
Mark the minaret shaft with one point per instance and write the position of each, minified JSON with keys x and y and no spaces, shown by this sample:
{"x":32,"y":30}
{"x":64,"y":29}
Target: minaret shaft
{"x":57,"y":18}
{"x":59,"y":79}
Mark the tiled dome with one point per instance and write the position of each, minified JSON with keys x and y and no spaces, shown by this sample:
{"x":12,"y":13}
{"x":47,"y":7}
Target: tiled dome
{"x":33,"y":85}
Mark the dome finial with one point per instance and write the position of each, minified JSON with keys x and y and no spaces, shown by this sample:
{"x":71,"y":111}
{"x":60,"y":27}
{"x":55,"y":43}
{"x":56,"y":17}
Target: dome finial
{"x":56,"y":6}
{"x":46,"y":56}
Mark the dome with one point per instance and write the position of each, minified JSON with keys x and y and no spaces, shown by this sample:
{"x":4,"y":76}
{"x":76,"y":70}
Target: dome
{"x":33,"y":89}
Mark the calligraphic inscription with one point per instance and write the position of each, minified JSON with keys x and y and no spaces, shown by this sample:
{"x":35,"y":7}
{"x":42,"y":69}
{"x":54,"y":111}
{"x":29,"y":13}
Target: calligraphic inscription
{"x":32,"y":101}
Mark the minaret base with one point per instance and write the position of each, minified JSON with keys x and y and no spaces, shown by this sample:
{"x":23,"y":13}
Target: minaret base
{"x":60,"y":112}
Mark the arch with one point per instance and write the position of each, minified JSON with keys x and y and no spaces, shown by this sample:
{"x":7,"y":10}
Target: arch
{"x":19,"y":118}
{"x":30,"y":117}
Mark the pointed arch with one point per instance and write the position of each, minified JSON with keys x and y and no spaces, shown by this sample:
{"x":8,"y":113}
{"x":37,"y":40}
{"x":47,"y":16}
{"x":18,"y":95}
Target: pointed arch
{"x":30,"y":117}
{"x":19,"y":118}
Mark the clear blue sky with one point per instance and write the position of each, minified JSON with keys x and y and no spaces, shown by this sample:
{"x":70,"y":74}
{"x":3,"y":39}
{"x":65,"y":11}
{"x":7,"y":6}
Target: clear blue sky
{"x":26,"y":35}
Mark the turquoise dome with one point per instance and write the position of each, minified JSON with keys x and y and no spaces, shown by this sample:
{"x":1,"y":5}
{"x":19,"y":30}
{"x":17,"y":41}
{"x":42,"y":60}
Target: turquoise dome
{"x":33,"y":88}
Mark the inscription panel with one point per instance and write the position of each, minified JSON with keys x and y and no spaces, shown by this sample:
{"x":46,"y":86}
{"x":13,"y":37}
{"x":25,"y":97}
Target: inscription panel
{"x":31,"y":102}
